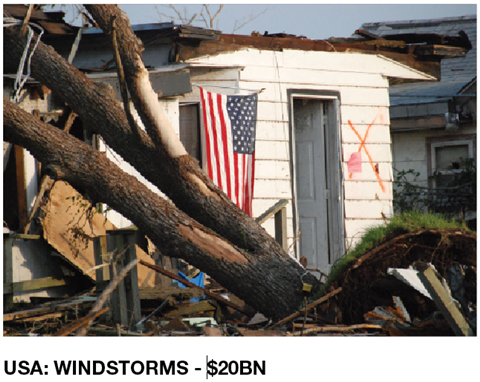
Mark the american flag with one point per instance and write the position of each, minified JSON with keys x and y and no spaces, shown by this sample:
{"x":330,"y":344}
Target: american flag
{"x":229,"y":123}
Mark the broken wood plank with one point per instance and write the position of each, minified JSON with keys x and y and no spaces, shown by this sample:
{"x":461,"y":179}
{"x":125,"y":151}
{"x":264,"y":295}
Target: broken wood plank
{"x":341,"y":329}
{"x":114,"y":333}
{"x":119,"y":250}
{"x":445,"y":303}
{"x":42,"y":283}
{"x":7,"y":148}
{"x":191,"y":285}
{"x":45,"y":185}
{"x":439,"y":50}
{"x":107,"y":291}
{"x":20,"y":236}
{"x":47,"y":182}
{"x":41,"y":318}
{"x":70,"y":328}
{"x":299,"y":326}
{"x":370,"y":35}
{"x":21,"y":187}
{"x":175,"y":291}
{"x":271,"y":211}
{"x":309,"y":306}
{"x":198,"y":307}
{"x":260,"y":333}
{"x":45,"y":310}
{"x":7,"y":272}
{"x":212,"y":332}
{"x":65,"y":205}
{"x":176,"y":324}
{"x":281,"y":228}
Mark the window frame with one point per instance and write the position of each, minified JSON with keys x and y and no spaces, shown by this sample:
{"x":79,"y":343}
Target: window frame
{"x":438,"y":142}
{"x":200,"y":147}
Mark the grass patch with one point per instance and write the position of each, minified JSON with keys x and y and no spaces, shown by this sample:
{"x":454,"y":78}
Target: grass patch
{"x":399,"y":224}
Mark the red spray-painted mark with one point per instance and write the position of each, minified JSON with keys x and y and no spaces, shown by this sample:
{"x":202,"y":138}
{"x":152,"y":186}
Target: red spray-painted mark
{"x":362,"y":145}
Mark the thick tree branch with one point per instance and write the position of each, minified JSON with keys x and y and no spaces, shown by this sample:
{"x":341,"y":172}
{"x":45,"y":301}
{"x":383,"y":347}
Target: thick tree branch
{"x":202,"y":200}
{"x":144,"y":98}
{"x":269,"y":279}
{"x":169,"y":229}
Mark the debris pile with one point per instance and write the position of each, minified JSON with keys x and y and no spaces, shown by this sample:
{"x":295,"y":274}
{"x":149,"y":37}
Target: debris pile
{"x":413,"y":283}
{"x":384,"y":286}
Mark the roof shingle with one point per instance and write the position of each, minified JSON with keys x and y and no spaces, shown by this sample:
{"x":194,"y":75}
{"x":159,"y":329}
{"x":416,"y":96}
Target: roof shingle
{"x":455,"y":72}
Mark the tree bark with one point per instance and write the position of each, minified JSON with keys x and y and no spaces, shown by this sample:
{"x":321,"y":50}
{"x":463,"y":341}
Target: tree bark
{"x":178,"y":177}
{"x":266,"y":282}
{"x":211,"y":233}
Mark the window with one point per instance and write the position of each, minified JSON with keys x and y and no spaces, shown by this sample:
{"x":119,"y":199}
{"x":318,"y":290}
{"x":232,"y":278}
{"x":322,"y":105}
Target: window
{"x":452,"y":173}
{"x":449,"y":159}
{"x":190,"y":130}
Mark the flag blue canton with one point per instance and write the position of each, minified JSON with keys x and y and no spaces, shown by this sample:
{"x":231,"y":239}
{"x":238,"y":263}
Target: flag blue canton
{"x":242,"y":111}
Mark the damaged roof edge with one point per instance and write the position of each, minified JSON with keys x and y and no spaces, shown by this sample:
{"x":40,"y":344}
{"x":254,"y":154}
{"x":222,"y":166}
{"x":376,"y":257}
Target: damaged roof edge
{"x":160,"y":69}
{"x":396,"y":69}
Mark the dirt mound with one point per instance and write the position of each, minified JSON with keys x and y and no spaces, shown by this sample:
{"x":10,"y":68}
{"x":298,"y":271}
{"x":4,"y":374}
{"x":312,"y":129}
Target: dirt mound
{"x":366,"y":284}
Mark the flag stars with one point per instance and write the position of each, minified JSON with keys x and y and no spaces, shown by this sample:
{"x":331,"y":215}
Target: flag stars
{"x":242,"y":113}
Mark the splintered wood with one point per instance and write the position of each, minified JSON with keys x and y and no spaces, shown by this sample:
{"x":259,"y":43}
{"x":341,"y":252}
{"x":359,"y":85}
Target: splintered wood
{"x":75,"y":244}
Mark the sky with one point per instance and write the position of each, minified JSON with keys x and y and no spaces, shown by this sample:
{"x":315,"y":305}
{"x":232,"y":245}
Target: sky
{"x":314,"y":21}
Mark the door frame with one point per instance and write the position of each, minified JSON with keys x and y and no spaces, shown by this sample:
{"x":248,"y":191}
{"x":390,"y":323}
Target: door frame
{"x":336,"y":216}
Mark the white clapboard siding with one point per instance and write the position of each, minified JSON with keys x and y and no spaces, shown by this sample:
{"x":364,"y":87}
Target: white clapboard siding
{"x":360,"y":115}
{"x":378,"y":152}
{"x":272,"y":169}
{"x":372,"y":134}
{"x":211,"y":75}
{"x":411,"y":149}
{"x":350,"y":62}
{"x":218,"y":86}
{"x":272,"y":130}
{"x":273,"y":110}
{"x":349,"y":94}
{"x":264,"y":74}
{"x":361,"y":190}
{"x":368,"y":174}
{"x":272,"y":188}
{"x":273,"y":150}
{"x":368,"y":209}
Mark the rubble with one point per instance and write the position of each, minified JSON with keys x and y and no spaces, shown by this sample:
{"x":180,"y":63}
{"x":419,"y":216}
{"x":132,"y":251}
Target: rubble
{"x":416,"y":283}
{"x":388,"y":284}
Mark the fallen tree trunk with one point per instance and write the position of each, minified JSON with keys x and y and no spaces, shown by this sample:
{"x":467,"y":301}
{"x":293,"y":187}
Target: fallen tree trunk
{"x":270,"y":283}
{"x":177,"y":176}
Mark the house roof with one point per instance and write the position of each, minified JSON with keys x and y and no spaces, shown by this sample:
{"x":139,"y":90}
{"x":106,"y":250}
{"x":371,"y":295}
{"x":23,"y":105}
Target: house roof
{"x":456,"y":72}
{"x":191,"y":42}
{"x":424,"y":92}
{"x":51,"y":22}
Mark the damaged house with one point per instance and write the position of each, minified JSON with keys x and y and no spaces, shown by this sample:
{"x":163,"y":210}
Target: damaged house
{"x":323,"y":155}
{"x":434,"y":124}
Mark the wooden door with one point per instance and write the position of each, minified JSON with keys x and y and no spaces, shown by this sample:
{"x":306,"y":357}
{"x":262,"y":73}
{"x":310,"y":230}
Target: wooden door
{"x":317,"y":182}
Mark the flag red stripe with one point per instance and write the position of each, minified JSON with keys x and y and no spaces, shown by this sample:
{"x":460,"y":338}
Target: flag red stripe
{"x":245,"y":182}
{"x":251,"y":177}
{"x":225,"y":145}
{"x":207,"y":134}
{"x":215,"y":140}
{"x":237,"y":185}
